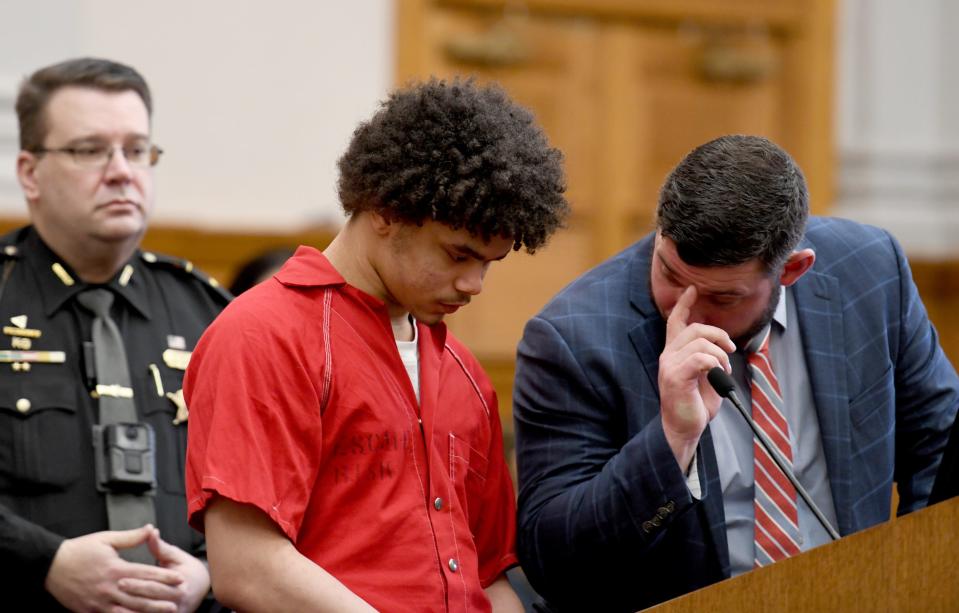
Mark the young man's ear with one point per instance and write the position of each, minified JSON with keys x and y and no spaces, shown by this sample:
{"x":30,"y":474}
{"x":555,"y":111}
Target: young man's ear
{"x":381,"y":225}
{"x":796,"y":266}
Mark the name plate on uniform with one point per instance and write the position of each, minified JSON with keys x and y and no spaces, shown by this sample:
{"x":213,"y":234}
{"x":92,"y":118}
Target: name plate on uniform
{"x":176,"y":358}
{"x":114,"y":391}
{"x":24,"y":332}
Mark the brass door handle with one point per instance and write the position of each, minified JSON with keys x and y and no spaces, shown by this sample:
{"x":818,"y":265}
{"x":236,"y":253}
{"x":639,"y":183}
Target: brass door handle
{"x":501,"y":45}
{"x":723,"y":61}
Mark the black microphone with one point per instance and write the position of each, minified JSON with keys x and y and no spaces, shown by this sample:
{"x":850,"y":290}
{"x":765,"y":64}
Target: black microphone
{"x":725,"y":387}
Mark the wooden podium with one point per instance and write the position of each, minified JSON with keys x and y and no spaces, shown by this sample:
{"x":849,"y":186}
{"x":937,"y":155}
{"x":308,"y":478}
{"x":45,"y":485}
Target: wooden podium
{"x":907,"y":564}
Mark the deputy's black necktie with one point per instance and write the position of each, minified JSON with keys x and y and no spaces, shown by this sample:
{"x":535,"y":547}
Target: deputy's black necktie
{"x":124,"y":510}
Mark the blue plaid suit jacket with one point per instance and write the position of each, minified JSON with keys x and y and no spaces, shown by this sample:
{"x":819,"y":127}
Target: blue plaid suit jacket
{"x":606,"y":522}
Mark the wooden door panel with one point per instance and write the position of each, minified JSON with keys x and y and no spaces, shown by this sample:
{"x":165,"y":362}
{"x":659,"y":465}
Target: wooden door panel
{"x":690,"y":95}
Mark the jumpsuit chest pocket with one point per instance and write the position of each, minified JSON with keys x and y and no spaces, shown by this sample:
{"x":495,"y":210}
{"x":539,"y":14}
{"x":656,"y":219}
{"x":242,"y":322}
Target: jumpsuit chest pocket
{"x":160,"y":411}
{"x":467,"y":463}
{"x":41,"y":434}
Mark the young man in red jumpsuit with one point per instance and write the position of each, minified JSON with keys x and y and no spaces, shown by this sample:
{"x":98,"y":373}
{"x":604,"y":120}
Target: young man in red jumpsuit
{"x":345,"y":450}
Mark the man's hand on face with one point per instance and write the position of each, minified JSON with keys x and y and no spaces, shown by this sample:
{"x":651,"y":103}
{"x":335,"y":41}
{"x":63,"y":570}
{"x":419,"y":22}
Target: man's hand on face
{"x":687,"y":401}
{"x":87,"y":574}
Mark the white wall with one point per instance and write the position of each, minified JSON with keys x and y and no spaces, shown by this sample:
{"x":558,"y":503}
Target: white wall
{"x":254,"y":101}
{"x":898,"y":121}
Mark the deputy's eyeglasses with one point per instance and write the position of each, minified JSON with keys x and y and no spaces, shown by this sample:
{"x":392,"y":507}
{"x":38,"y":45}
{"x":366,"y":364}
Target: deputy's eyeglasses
{"x":98,"y":155}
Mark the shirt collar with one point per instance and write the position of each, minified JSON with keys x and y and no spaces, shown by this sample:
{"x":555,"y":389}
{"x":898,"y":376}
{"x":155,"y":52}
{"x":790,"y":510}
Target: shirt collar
{"x":780,"y":318}
{"x":309,"y":268}
{"x":58,"y":282}
{"x":780,"y":315}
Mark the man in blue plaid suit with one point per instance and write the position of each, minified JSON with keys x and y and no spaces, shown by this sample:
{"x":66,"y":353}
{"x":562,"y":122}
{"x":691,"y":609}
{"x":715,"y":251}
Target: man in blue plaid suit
{"x":636,"y":479}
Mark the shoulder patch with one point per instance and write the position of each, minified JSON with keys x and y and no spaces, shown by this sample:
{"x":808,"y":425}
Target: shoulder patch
{"x":186,"y":267}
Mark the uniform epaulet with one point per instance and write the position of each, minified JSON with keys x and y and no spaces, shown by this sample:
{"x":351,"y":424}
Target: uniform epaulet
{"x":8,"y":245}
{"x":159,"y":260}
{"x":9,"y":252}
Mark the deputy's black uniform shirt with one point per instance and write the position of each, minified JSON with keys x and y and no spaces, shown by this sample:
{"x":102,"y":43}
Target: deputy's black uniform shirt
{"x":47,"y":479}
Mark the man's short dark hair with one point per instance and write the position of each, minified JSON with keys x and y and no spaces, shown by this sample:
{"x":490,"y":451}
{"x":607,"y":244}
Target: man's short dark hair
{"x":732,"y":200}
{"x":38,"y":88}
{"x":459,"y":154}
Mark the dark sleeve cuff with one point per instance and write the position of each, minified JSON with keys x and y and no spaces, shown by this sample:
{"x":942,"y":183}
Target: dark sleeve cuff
{"x":26,"y":552}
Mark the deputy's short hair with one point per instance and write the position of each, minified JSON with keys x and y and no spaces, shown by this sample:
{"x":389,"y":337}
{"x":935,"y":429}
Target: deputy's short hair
{"x":37,"y":89}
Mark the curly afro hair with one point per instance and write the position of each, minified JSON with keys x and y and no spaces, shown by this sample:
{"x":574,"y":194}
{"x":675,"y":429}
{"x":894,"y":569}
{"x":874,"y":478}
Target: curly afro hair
{"x":459,"y":154}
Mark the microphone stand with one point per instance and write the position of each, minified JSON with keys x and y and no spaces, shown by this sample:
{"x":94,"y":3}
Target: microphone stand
{"x":725,"y":387}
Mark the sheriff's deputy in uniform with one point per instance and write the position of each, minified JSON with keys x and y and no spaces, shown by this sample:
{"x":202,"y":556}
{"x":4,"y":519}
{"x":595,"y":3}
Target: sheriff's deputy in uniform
{"x":96,"y":335}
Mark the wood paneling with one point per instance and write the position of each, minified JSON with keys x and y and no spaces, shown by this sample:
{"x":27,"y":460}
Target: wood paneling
{"x":780,"y":13}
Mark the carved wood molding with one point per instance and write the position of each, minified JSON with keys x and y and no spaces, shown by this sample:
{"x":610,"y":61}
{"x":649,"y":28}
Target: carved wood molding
{"x":778,"y":13}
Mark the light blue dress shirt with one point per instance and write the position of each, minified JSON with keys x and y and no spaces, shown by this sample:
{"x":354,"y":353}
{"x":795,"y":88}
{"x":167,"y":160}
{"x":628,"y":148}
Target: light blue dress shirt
{"x":733,"y":441}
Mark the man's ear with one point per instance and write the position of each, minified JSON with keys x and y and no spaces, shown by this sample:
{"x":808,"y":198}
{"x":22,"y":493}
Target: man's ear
{"x":796,"y":266}
{"x":27,"y":175}
{"x":381,"y":225}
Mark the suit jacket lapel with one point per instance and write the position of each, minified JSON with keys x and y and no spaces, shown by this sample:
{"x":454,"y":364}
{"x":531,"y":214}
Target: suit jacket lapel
{"x":819,"y":308}
{"x":648,"y":338}
{"x":649,"y":335}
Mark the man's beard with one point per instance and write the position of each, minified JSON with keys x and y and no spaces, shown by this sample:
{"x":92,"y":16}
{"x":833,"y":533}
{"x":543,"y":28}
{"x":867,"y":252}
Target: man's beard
{"x":763,"y":320}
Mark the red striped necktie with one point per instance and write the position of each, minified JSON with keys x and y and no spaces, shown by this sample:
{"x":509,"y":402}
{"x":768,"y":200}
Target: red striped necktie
{"x":777,"y":519}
